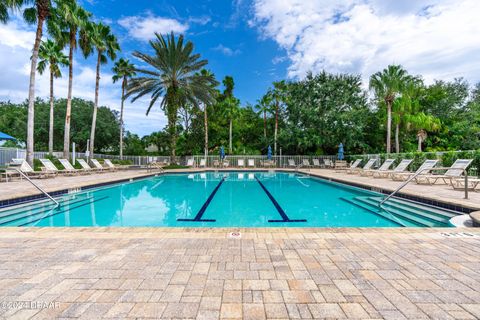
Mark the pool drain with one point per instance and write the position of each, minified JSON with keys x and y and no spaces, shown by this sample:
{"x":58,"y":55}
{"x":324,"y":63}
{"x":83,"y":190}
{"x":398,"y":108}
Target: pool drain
{"x":459,"y":235}
{"x":234,"y":235}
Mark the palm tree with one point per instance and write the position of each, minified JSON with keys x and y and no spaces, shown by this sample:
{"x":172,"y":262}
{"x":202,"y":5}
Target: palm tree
{"x":387,"y":84}
{"x":37,"y":11}
{"x":124,"y":70}
{"x":278,"y":95}
{"x":213,"y":83}
{"x":263,"y":106}
{"x":98,"y":36}
{"x":69,"y":19}
{"x":174,"y":79}
{"x":230,"y":106}
{"x":50,"y":53}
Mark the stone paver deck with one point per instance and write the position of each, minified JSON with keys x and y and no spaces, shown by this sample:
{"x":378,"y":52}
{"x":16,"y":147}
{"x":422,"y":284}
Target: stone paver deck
{"x":91,"y":273}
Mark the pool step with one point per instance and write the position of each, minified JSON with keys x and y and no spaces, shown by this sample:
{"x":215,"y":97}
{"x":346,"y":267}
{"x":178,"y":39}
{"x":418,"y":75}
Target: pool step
{"x":36,"y":210}
{"x":413,"y":212}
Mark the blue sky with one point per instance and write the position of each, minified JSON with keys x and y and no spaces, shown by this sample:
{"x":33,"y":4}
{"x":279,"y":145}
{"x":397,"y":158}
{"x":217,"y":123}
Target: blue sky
{"x":261,"y":41}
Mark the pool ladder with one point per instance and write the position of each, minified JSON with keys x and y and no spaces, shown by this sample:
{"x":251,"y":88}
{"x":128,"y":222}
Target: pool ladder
{"x":37,"y":186}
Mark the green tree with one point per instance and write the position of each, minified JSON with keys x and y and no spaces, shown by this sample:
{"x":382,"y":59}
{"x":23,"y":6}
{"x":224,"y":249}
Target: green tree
{"x":100,"y":38}
{"x":279,"y":96}
{"x":69,"y":20}
{"x":230,"y":107}
{"x":387,"y":85}
{"x":6,"y":6}
{"x":174,"y":79}
{"x":51,"y":55}
{"x":123,"y":70}
{"x":264,"y":106}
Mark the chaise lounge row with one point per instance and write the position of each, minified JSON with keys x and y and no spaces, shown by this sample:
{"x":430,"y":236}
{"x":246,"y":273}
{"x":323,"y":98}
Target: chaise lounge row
{"x":252,"y":163}
{"x":423,"y":175}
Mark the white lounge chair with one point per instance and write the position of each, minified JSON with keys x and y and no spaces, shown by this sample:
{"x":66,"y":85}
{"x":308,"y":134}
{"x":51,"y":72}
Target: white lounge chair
{"x":241,"y":163}
{"x":425,"y":168}
{"x":113,"y":167}
{"x":316,"y":163}
{"x":97,"y":165}
{"x":85,"y":166}
{"x":48,"y":164}
{"x":190,"y":163}
{"x":306,"y":163}
{"x":367,"y":166}
{"x":251,"y":163}
{"x":384,"y":167}
{"x":67,"y":165}
{"x":202,"y":163}
{"x":225,"y":163}
{"x":455,"y":171}
{"x":402,"y":167}
{"x":328,"y":163}
{"x":23,"y":166}
{"x":353,"y":166}
{"x":291,"y":163}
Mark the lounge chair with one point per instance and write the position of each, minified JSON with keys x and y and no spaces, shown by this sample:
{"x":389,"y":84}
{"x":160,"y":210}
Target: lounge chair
{"x":97,"y":165}
{"x":291,"y":163}
{"x":367,"y":166}
{"x":459,"y":184}
{"x":113,"y":167}
{"x":25,"y":168}
{"x":268,"y":163}
{"x":67,"y":165}
{"x":316,"y":163}
{"x":225,"y":163}
{"x":384,"y":167}
{"x":455,"y":171}
{"x":402,"y":167}
{"x":353,"y":166}
{"x":190,"y":163}
{"x":241,"y":163}
{"x":86,"y":167}
{"x":202,"y":163}
{"x":306,"y":163}
{"x":51,"y":167}
{"x":424,"y":168}
{"x":216,"y":163}
{"x":251,"y":163}
{"x":328,"y":163}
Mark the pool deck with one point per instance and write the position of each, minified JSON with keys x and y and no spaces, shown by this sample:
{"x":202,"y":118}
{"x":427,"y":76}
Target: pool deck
{"x":132,"y":273}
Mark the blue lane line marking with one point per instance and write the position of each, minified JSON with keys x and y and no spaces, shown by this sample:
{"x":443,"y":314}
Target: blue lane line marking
{"x":198,"y":217}
{"x":282,"y":213}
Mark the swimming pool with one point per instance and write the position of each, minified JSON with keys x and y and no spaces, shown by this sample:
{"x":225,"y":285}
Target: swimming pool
{"x":226,"y":199}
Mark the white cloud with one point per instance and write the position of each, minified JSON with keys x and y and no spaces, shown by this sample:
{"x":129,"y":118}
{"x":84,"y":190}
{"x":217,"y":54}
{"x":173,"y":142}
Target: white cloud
{"x":226,"y":50}
{"x":143,"y":28}
{"x":202,"y":20}
{"x":16,"y":41}
{"x":437,"y":39}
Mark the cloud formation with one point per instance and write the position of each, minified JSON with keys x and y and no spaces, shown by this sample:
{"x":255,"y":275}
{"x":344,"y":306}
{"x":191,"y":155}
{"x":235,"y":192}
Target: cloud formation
{"x":143,"y":28}
{"x":226,"y":50}
{"x":437,"y":39}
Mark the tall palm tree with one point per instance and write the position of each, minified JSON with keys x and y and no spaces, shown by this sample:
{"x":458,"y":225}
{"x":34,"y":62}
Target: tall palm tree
{"x":213,"y":83}
{"x":231,"y":109}
{"x":51,"y":55}
{"x":279,"y":96}
{"x":34,"y":12}
{"x":97,"y":36}
{"x":263,"y":106}
{"x":123,"y":70}
{"x":173,"y":78}
{"x":387,"y":84}
{"x":69,"y":19}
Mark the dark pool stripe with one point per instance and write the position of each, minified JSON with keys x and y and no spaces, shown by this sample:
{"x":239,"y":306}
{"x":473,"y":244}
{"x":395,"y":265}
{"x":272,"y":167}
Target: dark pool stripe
{"x":280,"y":210}
{"x":202,"y":210}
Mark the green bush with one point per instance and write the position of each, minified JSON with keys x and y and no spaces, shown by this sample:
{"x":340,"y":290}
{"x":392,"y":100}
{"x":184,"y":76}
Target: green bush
{"x":122,"y":162}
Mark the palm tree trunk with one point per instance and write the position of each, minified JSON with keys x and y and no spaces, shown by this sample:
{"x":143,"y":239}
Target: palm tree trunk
{"x":265,"y":124}
{"x":276,"y":130}
{"x":31,"y":92}
{"x":95,"y":106}
{"x":206,"y":129}
{"x":50,"y":127}
{"x":419,"y":143}
{"x":389,"y":126}
{"x":230,"y":137}
{"x":121,"y":116}
{"x":397,"y":138}
{"x":66,"y":136}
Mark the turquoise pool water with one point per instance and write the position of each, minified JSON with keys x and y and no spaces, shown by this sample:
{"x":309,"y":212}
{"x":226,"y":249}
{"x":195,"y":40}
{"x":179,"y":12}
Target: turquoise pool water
{"x":232,"y":199}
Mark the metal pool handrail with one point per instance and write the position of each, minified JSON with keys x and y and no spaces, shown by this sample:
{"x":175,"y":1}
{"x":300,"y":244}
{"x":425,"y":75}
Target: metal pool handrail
{"x":417,"y":174}
{"x":37,"y":186}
